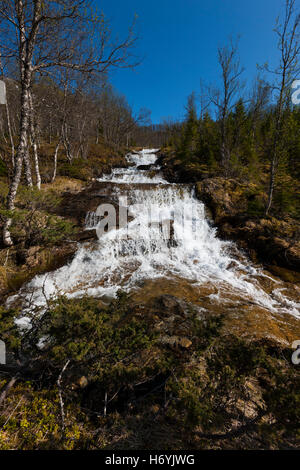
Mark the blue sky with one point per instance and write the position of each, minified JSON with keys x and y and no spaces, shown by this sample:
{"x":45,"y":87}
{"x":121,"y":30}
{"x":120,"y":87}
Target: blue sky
{"x":178,"y":40}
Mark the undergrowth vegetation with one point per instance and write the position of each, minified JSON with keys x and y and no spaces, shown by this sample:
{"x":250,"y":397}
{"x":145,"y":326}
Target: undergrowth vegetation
{"x":32,"y":221}
{"x":90,"y":375}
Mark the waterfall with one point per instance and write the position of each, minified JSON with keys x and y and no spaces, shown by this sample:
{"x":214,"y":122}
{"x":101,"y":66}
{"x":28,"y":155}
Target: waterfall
{"x":168,"y":236}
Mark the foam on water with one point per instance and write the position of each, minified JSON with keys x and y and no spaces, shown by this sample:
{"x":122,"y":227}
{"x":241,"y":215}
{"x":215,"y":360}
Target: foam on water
{"x":131,"y":175}
{"x":180,"y":242}
{"x":145,"y":157}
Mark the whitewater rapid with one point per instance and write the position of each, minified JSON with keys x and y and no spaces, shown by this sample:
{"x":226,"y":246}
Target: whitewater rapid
{"x":168,"y":236}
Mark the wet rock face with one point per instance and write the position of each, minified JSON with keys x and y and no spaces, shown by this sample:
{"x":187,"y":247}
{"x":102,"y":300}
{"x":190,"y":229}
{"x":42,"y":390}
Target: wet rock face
{"x":171,"y":315}
{"x":173,"y":305}
{"x":282,"y":250}
{"x":224,"y":196}
{"x":273,"y":241}
{"x":77,"y":205}
{"x":178,"y":171}
{"x":172,"y":319}
{"x":146,"y":167}
{"x":34,"y":260}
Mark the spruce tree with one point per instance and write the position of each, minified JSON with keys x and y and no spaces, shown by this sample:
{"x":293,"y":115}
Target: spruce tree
{"x":190,"y":130}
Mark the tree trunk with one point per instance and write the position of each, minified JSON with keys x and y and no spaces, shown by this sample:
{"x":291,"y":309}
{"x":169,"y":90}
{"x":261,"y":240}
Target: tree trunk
{"x":271,"y":186}
{"x":55,"y":163}
{"x":34,"y":144}
{"x":7,"y":387}
{"x":27,"y":166}
{"x":22,"y":154}
{"x":8,"y":122}
{"x":225,"y":156}
{"x":10,"y":136}
{"x":276,"y":141}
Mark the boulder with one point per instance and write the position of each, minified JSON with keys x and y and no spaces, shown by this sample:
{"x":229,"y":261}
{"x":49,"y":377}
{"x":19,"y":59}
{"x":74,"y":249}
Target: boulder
{"x":176,"y":341}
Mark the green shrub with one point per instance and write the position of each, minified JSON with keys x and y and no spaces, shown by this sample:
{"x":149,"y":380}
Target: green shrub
{"x":198,"y":390}
{"x":32,"y":223}
{"x":78,"y":169}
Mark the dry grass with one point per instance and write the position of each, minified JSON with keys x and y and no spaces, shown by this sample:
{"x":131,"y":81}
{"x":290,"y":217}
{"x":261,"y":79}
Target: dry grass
{"x":63,"y":183}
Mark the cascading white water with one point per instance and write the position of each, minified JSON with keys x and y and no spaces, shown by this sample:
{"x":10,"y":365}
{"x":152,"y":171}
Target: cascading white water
{"x":131,"y":174}
{"x":169,"y":237}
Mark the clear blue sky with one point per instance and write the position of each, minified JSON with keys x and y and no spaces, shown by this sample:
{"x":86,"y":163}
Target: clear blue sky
{"x":178,"y":40}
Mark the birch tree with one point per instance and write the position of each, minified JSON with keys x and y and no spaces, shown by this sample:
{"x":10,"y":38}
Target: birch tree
{"x":43,"y":35}
{"x":225,"y":98}
{"x":8,"y":120}
{"x":289,"y":47}
{"x":34,"y":142}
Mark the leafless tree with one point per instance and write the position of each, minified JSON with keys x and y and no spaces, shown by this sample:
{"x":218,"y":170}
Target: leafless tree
{"x":225,"y":99}
{"x":287,"y":33}
{"x":258,"y":101}
{"x":34,"y":141}
{"x":43,"y":36}
{"x":8,"y":120}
